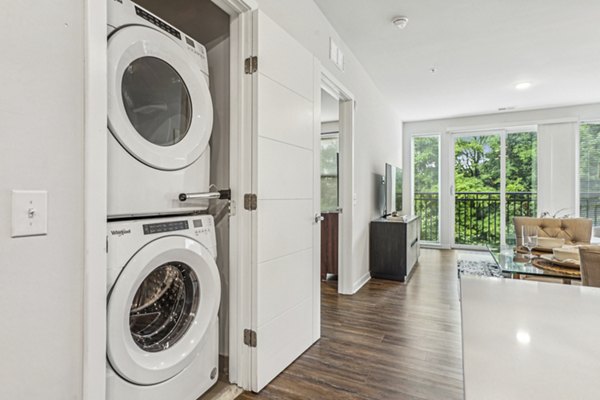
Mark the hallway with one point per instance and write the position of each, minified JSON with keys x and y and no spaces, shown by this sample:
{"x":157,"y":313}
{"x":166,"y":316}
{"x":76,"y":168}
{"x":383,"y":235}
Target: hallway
{"x":389,"y":341}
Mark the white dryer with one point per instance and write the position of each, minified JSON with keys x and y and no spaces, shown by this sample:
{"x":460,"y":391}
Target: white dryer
{"x":160,"y":115}
{"x":163,"y":297}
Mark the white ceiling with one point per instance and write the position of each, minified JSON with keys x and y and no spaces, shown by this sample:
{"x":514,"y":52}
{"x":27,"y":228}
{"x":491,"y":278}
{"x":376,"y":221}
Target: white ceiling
{"x":480,"y":48}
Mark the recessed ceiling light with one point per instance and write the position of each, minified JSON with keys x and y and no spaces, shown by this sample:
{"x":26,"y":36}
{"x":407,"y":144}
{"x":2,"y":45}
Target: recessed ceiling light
{"x":523,"y":337}
{"x":523,"y":85}
{"x":400,"y":22}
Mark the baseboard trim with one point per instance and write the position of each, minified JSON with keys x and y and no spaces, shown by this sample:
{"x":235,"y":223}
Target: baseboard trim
{"x":361,"y":282}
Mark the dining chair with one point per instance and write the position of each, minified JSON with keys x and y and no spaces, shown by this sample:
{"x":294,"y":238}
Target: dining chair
{"x":573,"y":230}
{"x":590,"y":265}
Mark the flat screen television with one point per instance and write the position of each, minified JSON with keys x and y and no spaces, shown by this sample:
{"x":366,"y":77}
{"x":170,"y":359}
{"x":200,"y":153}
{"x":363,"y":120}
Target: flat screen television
{"x":393,"y":189}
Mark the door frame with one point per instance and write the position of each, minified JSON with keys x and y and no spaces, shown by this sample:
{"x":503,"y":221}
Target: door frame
{"x":347,"y":103}
{"x":95,"y":205}
{"x":240,"y":159}
{"x":95,"y":193}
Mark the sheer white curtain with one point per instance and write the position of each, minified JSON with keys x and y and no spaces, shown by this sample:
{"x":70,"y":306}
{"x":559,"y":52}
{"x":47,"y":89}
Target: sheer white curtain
{"x":557,"y":168}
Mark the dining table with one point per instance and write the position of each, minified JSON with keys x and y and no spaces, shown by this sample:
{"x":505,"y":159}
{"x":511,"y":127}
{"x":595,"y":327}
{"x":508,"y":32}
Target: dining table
{"x":515,"y":264}
{"x":525,"y":339}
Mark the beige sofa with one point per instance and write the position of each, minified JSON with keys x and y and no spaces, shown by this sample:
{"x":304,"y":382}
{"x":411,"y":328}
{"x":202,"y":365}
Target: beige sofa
{"x":573,"y":230}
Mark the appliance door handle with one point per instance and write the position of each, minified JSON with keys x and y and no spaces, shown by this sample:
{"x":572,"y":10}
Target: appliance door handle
{"x":224,"y":194}
{"x":204,"y":195}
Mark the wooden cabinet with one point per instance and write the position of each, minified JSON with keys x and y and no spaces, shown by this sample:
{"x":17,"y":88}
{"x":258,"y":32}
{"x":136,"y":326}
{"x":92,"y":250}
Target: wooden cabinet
{"x":394,"y":248}
{"x":329,"y":244}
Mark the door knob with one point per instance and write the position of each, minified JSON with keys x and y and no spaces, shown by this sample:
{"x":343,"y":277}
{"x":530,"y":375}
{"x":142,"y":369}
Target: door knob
{"x":319,"y":218}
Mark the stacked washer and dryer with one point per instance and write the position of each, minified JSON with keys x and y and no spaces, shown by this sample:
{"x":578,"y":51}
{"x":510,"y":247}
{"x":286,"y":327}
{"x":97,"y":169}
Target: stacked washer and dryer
{"x":163,"y":289}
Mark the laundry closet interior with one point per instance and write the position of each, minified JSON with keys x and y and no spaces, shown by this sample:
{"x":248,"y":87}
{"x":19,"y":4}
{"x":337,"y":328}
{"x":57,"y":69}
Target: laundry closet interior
{"x":168,"y":187}
{"x":211,"y":205}
{"x":206,"y":23}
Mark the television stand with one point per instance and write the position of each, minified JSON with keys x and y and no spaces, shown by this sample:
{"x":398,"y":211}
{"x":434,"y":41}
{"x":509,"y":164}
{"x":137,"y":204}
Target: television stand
{"x":394,"y":247}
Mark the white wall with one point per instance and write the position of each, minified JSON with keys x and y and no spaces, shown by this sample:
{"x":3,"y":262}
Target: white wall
{"x":378,"y":137}
{"x":42,"y":125}
{"x":557,"y":151}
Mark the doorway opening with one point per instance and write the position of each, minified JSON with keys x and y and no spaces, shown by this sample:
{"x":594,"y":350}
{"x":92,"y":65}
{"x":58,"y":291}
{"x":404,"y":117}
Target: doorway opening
{"x":336,"y":174}
{"x":330,"y":188}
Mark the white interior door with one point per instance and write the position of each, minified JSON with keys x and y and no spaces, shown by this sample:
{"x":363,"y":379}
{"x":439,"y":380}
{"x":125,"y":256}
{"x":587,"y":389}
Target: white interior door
{"x":286,"y":256}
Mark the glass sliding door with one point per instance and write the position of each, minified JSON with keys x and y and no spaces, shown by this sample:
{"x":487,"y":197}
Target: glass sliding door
{"x":589,"y":171}
{"x":495,"y":179}
{"x":426,"y":185}
{"x":521,"y":179}
{"x":477,"y":183}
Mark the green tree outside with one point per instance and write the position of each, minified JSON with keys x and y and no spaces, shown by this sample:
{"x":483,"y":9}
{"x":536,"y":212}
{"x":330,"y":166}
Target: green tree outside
{"x":477,"y":185}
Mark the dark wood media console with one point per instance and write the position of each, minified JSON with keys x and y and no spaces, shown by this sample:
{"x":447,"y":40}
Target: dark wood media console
{"x":394,"y":248}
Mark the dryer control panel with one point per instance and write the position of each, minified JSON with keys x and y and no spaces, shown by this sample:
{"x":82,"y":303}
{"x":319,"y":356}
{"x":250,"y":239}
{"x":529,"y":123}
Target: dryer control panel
{"x":161,"y":227}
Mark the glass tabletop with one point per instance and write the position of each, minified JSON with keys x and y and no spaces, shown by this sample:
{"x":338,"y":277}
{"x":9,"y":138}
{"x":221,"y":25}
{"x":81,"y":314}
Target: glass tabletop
{"x":511,"y":262}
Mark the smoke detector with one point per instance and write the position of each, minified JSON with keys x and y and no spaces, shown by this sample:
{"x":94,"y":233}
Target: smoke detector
{"x":400,"y":22}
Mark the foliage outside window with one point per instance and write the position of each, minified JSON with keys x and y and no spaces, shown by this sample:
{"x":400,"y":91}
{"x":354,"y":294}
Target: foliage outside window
{"x":426,"y":185}
{"x":521,"y":179}
{"x":478,"y":186}
{"x":589,"y":171}
{"x":329,"y":173}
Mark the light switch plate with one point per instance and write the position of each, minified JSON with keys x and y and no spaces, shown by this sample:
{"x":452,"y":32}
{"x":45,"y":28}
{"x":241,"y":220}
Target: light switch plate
{"x":29,"y":213}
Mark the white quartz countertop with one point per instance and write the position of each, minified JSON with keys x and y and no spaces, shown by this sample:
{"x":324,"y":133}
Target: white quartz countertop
{"x":530,"y":340}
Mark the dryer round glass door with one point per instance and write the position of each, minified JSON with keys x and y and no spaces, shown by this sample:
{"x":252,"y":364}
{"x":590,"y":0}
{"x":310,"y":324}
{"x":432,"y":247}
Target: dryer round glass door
{"x":159,"y":105}
{"x":156,"y":101}
{"x":160,"y":309}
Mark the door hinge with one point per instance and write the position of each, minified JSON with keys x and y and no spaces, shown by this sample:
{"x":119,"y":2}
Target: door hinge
{"x":249,"y":337}
{"x":250,"y":201}
{"x":251,"y":65}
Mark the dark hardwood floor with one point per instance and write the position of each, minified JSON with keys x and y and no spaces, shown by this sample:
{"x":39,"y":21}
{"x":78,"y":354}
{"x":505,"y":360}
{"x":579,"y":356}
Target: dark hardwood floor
{"x":389,"y":341}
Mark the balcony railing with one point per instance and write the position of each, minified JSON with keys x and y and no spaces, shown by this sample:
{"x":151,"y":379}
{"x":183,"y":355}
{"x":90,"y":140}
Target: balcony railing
{"x":589,"y":206}
{"x":477,"y":215}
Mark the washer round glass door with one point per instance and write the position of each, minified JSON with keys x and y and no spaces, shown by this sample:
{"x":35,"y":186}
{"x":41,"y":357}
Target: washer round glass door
{"x":159,"y":104}
{"x":160,"y":309}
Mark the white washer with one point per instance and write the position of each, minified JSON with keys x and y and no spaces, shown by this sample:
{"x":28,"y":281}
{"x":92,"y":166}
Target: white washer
{"x":160,"y":115}
{"x":163,"y":297}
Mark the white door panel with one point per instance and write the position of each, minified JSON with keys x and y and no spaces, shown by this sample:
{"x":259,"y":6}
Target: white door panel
{"x":286,"y":255}
{"x":288,"y":335}
{"x":286,"y":282}
{"x":283,"y":59}
{"x":285,"y":226}
{"x":284,"y":171}
{"x":292,"y":115}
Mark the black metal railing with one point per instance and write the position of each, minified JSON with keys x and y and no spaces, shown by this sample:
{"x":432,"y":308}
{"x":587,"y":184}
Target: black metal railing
{"x":427,"y":206}
{"x":589,"y":206}
{"x":477,"y":215}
